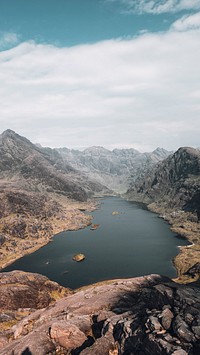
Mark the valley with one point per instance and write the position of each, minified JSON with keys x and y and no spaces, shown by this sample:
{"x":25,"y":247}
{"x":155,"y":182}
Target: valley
{"x":45,"y":191}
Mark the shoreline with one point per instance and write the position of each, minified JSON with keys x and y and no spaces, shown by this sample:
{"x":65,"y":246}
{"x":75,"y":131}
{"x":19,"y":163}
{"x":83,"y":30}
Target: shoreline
{"x":186,"y":226}
{"x":188,"y":255}
{"x":73,"y":217}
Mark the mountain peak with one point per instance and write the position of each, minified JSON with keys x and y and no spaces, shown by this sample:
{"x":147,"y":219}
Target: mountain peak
{"x":96,"y":150}
{"x":10,"y":137}
{"x":161,"y":151}
{"x":188,"y":150}
{"x":8,"y":133}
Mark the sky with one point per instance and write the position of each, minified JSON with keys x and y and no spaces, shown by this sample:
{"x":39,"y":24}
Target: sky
{"x":112,"y":73}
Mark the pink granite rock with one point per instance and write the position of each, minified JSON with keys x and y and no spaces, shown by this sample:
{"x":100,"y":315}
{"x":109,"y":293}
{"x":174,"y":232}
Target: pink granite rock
{"x":67,"y":335}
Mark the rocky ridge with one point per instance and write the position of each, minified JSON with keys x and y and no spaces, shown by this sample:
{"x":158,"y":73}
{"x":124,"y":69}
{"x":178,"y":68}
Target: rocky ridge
{"x":172,"y":189}
{"x":25,"y":165}
{"x":146,"y":315}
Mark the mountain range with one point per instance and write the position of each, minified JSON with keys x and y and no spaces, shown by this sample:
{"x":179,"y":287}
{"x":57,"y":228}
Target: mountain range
{"x":116,"y":169}
{"x":44,"y":191}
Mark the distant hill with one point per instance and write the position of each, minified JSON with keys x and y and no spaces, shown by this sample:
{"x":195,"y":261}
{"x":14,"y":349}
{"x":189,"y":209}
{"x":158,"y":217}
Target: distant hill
{"x":115,"y":169}
{"x":39,"y":169}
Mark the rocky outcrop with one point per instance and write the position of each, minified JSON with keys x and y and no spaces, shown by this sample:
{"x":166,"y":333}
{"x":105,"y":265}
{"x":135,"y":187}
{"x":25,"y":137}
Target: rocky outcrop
{"x":115,"y":169}
{"x":27,"y":290}
{"x":172,"y":189}
{"x":146,"y":315}
{"x":21,"y":293}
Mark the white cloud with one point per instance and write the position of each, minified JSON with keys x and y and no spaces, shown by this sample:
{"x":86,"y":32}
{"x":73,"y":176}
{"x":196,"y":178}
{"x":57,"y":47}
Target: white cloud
{"x":139,"y":92}
{"x":8,"y":39}
{"x":186,"y":23}
{"x":159,"y":6}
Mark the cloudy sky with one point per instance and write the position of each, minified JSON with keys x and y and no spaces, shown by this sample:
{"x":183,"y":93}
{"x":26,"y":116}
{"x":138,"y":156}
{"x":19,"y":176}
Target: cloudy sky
{"x":114,"y":73}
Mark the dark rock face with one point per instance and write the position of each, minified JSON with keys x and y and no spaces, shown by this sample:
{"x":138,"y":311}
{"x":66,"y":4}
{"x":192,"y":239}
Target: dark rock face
{"x":174,"y":182}
{"x":172,"y":189}
{"x":146,"y":315}
{"x":195,"y":269}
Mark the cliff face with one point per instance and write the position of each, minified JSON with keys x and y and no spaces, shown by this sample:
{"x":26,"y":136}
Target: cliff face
{"x":114,"y":169}
{"x":174,"y":182}
{"x":146,"y":315}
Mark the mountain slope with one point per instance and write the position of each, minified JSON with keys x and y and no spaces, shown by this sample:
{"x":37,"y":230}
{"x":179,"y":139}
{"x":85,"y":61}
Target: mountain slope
{"x":39,"y":169}
{"x":174,"y":182}
{"x":40,"y":195}
{"x":172,"y":189}
{"x":114,"y":169}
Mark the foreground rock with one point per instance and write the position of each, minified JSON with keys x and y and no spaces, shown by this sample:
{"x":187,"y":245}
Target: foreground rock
{"x":21,"y":293}
{"x":145,"y":315}
{"x":21,"y":289}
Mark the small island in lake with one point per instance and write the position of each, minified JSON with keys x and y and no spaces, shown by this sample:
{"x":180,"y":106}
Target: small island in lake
{"x":94,"y":227}
{"x":78,"y":257}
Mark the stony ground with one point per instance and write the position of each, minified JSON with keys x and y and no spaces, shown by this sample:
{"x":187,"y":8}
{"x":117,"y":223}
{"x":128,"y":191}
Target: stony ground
{"x":145,"y":315}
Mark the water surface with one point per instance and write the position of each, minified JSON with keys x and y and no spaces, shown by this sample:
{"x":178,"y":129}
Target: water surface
{"x":133,"y":243}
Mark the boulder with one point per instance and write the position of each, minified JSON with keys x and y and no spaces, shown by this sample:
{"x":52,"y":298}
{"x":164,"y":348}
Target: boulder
{"x":67,"y":335}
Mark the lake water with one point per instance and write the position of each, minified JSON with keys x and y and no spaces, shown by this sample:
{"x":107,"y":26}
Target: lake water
{"x":133,"y":243}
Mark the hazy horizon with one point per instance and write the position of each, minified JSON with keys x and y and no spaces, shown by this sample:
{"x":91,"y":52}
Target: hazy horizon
{"x":79,"y":148}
